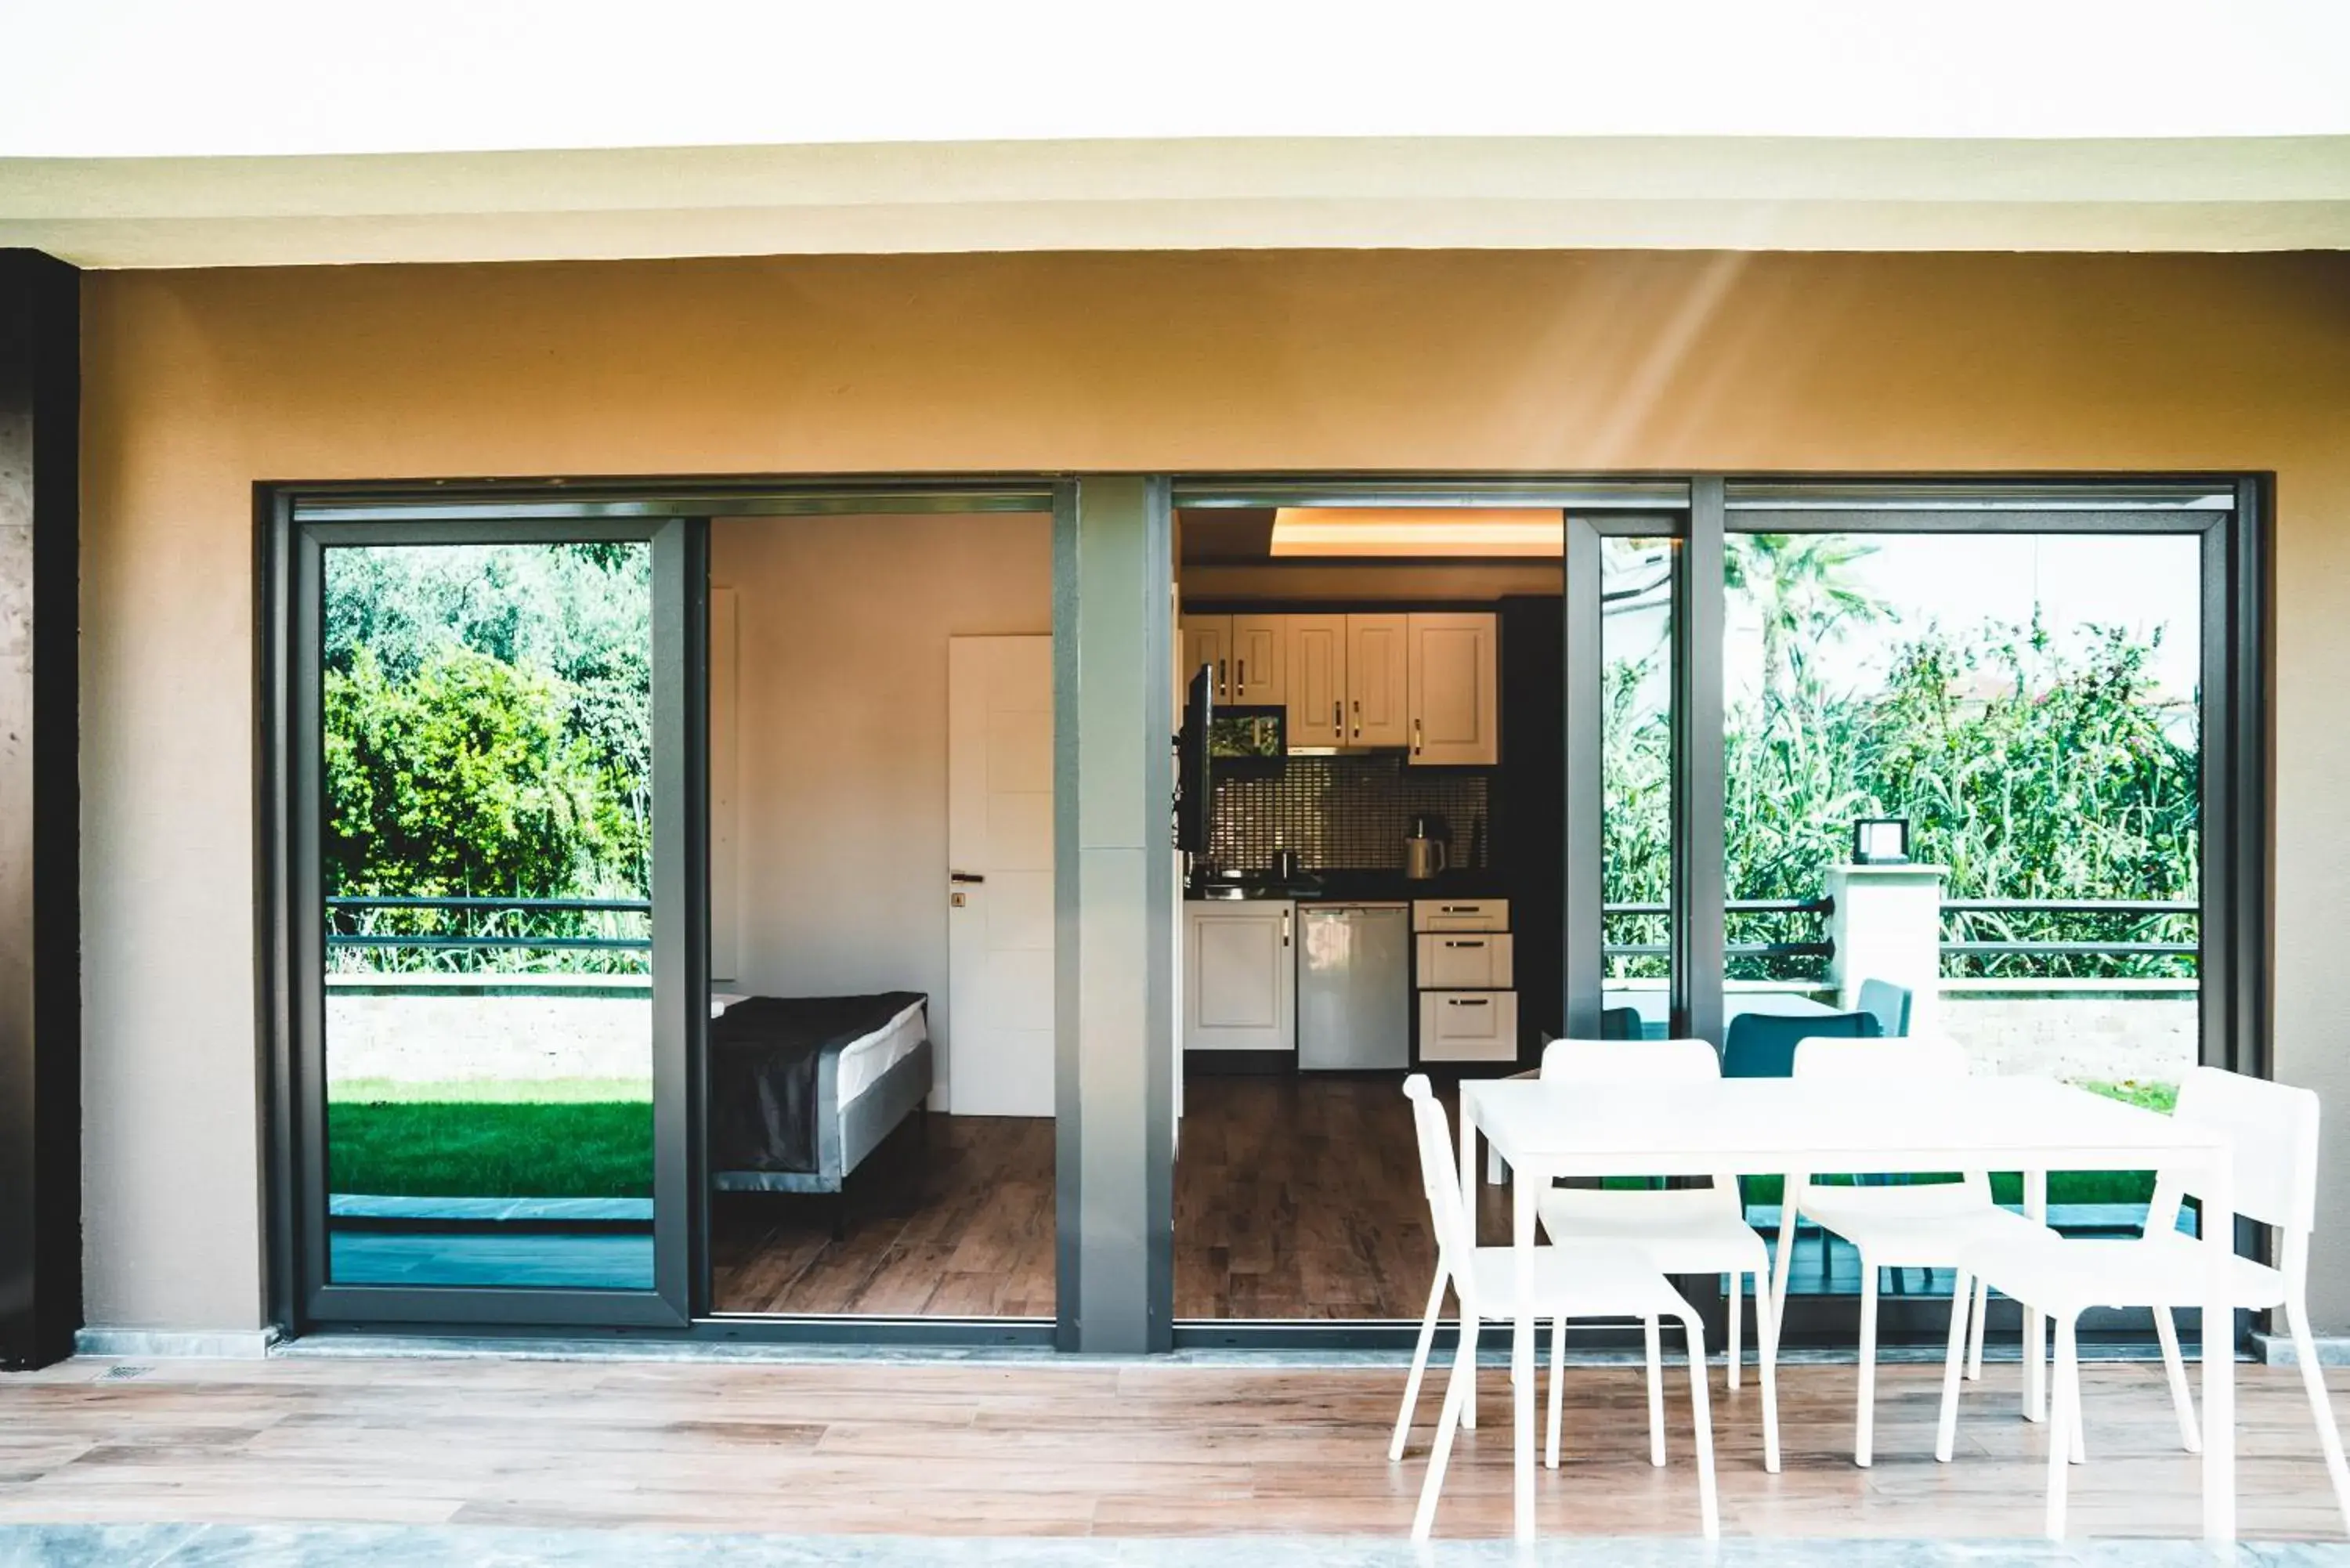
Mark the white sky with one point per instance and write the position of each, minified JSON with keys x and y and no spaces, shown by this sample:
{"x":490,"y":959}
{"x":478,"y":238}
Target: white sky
{"x":1958,"y":581}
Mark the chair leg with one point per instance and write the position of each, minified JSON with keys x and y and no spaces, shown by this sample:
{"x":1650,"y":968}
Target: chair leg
{"x":1656,"y":1391}
{"x":1766,"y":1336}
{"x":1464,"y":1370}
{"x":1946,"y":1428}
{"x":2174,"y":1367}
{"x":1557,"y":1387}
{"x":1419,"y":1367}
{"x":1864,"y":1440}
{"x":1701,"y":1417}
{"x":2064,"y":1414}
{"x":1981,"y":1318}
{"x":1737,"y":1310}
{"x":2312,"y":1378}
{"x":2076,"y":1443}
{"x":1464,"y":1376}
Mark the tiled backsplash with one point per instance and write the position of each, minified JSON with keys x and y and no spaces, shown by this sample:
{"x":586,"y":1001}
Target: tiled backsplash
{"x":1345,"y":813}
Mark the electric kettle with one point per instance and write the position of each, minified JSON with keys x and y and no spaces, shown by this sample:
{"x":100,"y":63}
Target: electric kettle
{"x":1424,"y":847}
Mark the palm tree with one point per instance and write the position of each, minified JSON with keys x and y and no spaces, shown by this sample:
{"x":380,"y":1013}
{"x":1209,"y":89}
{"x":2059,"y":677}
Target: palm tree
{"x":1802,"y":586}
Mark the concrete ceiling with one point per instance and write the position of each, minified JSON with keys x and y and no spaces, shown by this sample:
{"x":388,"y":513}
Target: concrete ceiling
{"x":2240,"y":193}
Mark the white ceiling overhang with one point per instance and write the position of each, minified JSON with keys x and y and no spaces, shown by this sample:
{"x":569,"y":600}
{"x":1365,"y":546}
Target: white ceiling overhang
{"x":1743,"y":194}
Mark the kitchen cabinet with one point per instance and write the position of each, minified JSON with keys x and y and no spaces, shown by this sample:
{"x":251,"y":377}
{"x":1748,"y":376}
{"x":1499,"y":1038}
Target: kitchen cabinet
{"x":1457,"y":962}
{"x":1208,"y":639}
{"x":1463,"y":956}
{"x":1468,"y":1025}
{"x":1454,"y":689}
{"x":1318,"y":677}
{"x":1240,"y":975}
{"x":1377,"y":704}
{"x":1259,"y":659}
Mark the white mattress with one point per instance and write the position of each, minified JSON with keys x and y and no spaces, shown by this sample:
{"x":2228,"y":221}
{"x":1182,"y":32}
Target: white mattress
{"x":864,"y":1060}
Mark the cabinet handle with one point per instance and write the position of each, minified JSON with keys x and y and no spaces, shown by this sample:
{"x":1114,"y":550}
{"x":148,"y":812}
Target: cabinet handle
{"x":1221,"y":690}
{"x":1284,"y":928}
{"x":1240,"y":675}
{"x":1358,"y":718}
{"x":1460,"y":908}
{"x":1337,"y":719}
{"x":1475,"y":944}
{"x":1465,"y":1001}
{"x":1415,"y":737}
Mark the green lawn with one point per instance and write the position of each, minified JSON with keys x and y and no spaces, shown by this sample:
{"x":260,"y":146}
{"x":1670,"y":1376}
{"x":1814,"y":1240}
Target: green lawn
{"x":578,"y":1138}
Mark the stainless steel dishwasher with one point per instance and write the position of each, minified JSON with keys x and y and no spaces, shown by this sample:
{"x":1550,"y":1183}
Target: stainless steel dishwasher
{"x":1354,"y":986}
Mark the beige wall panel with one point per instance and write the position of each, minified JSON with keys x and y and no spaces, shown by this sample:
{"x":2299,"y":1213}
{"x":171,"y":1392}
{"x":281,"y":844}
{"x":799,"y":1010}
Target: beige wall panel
{"x":842,"y":673}
{"x":197,"y":384}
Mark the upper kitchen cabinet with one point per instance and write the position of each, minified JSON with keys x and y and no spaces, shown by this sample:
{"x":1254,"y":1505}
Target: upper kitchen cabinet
{"x":1208,"y":639}
{"x":1318,"y":678}
{"x":1453,"y":689}
{"x":1260,"y":654}
{"x":1378,"y":709}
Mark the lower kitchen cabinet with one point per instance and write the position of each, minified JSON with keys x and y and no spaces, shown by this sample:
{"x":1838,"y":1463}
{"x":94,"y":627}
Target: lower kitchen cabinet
{"x":1468,"y":1025}
{"x":1240,"y":975}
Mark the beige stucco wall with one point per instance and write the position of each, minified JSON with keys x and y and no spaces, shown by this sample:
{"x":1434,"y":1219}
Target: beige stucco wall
{"x":198,"y":384}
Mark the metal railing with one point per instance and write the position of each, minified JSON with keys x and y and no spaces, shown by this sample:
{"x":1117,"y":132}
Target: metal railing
{"x":1822,"y":907}
{"x":442,"y":932}
{"x":1979,"y":931}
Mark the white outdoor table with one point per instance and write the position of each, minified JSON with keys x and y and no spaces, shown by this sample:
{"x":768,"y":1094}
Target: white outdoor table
{"x":1769,"y":1126}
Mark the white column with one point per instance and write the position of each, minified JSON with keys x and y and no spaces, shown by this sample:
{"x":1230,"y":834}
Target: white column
{"x":1887,"y":925}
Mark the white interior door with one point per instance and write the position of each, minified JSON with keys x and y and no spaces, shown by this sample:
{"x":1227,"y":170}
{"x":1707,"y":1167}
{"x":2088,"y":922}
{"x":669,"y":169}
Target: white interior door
{"x":998,"y":1055}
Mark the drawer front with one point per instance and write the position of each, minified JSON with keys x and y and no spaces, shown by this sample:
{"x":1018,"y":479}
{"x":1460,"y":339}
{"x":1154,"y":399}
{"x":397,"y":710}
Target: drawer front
{"x":1468,"y":1025}
{"x":1459,"y":961}
{"x":1461,"y":915}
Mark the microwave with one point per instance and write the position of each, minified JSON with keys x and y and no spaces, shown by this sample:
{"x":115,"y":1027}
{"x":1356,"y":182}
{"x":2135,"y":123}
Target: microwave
{"x":1260,"y":734}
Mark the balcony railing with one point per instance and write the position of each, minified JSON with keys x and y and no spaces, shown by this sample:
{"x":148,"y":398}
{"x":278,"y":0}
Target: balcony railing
{"x":473,"y":934}
{"x":1984,"y":937}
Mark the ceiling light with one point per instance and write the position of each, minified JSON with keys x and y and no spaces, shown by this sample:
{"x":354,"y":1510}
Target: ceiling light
{"x":1366,"y":531}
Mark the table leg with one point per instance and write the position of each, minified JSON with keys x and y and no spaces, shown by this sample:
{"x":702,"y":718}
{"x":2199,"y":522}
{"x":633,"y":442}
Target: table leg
{"x":2035,"y":1330}
{"x":2219,"y":1352}
{"x":1522,"y":1345}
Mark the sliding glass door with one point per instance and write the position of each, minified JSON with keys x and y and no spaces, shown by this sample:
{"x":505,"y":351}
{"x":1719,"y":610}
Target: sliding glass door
{"x":492,"y":925}
{"x":1978,"y":761}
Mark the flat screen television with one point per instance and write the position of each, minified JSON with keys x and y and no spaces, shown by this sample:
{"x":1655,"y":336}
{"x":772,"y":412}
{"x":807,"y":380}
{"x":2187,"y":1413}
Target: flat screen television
{"x":1194,"y":788}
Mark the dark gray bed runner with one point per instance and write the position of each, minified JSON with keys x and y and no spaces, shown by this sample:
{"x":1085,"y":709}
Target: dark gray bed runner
{"x":763,"y":1052}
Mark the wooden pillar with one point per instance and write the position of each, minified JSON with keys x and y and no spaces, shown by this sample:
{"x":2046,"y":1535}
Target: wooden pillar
{"x":40,"y":841}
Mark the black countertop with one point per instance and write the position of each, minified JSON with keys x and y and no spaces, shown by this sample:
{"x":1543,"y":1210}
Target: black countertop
{"x":1368,"y":886}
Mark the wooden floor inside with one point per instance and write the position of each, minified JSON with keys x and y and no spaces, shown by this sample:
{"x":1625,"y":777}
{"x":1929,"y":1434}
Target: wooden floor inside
{"x":1294,"y":1197}
{"x":952,"y":1219}
{"x":1076,"y":1449}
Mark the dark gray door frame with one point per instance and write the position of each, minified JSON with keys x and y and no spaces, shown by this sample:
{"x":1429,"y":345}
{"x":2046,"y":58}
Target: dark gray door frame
{"x":40,"y":831}
{"x":306,"y":1295}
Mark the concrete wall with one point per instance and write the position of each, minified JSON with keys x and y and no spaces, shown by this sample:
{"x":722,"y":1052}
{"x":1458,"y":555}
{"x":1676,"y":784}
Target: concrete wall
{"x":199,"y":384}
{"x":841,"y":727}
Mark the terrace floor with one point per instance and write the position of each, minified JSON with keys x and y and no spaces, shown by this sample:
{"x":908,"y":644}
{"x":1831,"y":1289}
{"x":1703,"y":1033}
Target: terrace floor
{"x":1023,"y":1450}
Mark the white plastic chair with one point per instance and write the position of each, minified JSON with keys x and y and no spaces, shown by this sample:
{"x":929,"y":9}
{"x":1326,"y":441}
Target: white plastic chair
{"x":2275,"y":1132}
{"x":1906,"y":1225}
{"x":1690,"y":1230}
{"x":1581,"y":1280}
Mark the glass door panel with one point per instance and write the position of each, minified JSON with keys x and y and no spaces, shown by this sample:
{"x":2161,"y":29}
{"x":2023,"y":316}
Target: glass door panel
{"x":1636,"y":651}
{"x":478,"y":841}
{"x":2029,"y":706}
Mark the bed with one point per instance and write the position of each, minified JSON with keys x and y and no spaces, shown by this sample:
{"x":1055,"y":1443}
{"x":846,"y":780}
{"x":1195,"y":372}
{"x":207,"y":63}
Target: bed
{"x":803,"y":1088}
